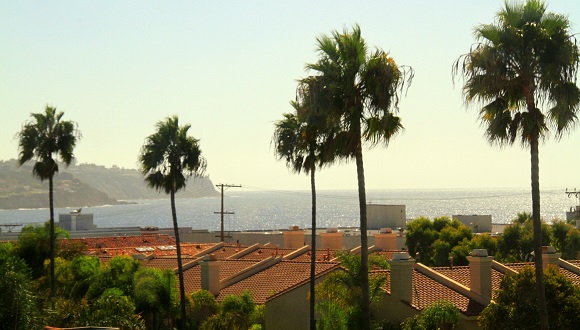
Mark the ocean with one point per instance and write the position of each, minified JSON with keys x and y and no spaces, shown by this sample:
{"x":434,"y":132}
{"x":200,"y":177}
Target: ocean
{"x":262,"y":209}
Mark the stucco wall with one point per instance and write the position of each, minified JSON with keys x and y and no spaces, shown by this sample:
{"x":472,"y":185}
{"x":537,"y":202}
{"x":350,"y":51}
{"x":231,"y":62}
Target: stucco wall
{"x":290,"y":311}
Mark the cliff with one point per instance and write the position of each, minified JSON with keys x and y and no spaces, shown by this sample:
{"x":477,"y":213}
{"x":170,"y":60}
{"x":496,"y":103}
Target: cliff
{"x":83,"y":185}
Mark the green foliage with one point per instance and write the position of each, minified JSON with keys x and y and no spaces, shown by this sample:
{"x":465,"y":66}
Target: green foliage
{"x":421,"y":234}
{"x":361,"y":88}
{"x":235,"y":313}
{"x":515,"y":303}
{"x":34,"y":246}
{"x":439,"y":315}
{"x":111,"y":309}
{"x":114,"y":309}
{"x":517,"y":240}
{"x":167,"y":159}
{"x":460,"y":252}
{"x":18,"y":308}
{"x":45,"y":139}
{"x":202,"y":305}
{"x":559,"y":232}
{"x":170,"y":156}
{"x":153,"y":295}
{"x":76,"y":276}
{"x":338,"y":297}
{"x":118,"y":273}
{"x":485,"y":241}
{"x":258,"y":317}
{"x":571,"y":244}
{"x":435,"y":242}
{"x":64,"y":313}
{"x":333,"y":316}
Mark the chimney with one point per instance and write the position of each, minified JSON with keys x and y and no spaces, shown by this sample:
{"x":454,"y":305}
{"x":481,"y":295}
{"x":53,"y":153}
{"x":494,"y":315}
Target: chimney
{"x":386,"y":239}
{"x":402,"y":276}
{"x":550,"y":257}
{"x":210,"y":274}
{"x":332,"y":239}
{"x":294,"y":238}
{"x":480,"y":272}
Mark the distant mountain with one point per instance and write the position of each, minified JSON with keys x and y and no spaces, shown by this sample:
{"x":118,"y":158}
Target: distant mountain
{"x":83,"y":185}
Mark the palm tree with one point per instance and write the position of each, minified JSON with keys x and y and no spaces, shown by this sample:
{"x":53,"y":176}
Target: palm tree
{"x":168,"y":158}
{"x":364,"y":93}
{"x":299,"y":140}
{"x":45,"y":139}
{"x":527,"y":59}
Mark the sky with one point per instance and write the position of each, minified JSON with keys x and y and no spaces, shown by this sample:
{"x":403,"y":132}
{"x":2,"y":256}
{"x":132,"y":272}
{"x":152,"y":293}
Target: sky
{"x":229,"y":68}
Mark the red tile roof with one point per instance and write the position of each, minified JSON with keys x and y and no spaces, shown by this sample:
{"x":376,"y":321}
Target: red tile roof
{"x":265,"y":252}
{"x":321,"y":255}
{"x":277,"y":279}
{"x":166,"y":262}
{"x":122,"y":241}
{"x":426,"y":291}
{"x":192,"y":276}
{"x":461,"y":274}
{"x":187,"y":249}
{"x":227,"y":251}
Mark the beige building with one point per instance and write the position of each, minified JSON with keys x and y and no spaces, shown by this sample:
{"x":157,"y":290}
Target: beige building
{"x":386,"y":216}
{"x":478,"y":223}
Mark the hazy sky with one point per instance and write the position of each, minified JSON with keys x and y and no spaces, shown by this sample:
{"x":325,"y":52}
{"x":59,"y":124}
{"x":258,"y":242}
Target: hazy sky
{"x":229,"y":68}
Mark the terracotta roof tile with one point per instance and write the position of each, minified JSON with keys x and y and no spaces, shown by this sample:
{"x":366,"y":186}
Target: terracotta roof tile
{"x":122,"y":241}
{"x":187,"y":249}
{"x":388,"y":254}
{"x":265,"y":252}
{"x":276,"y":279}
{"x":192,"y":276}
{"x":461,"y":274}
{"x":426,"y":291}
{"x":574,"y":262}
{"x":165,"y":262}
{"x":321,"y":255}
{"x":227,"y":250}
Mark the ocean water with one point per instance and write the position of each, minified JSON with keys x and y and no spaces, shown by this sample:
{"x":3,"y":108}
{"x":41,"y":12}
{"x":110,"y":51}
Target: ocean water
{"x":256,"y":209}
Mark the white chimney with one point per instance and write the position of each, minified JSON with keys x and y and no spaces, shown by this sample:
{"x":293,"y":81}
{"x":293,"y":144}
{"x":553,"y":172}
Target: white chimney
{"x":550,"y":257}
{"x":480,"y":272}
{"x":402,"y":276}
{"x":210,"y":274}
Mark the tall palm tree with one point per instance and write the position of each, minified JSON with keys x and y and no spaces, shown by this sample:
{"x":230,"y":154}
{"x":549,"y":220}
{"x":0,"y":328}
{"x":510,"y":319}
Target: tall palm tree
{"x":527,"y":59}
{"x":299,"y":140}
{"x":45,"y":139}
{"x":168,"y":158}
{"x":364,"y":89}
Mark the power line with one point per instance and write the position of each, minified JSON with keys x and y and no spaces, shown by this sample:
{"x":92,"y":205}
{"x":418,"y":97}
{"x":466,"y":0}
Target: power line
{"x":222,"y":212}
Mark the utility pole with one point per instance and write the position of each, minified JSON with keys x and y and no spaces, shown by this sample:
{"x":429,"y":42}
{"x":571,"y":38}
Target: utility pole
{"x":222,"y":212}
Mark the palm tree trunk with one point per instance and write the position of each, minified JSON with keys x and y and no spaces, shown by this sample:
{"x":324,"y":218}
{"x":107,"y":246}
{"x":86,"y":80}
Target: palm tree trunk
{"x":313,"y":249}
{"x":52,"y":238}
{"x":535,"y":171}
{"x":179,"y":263}
{"x":364,"y":265}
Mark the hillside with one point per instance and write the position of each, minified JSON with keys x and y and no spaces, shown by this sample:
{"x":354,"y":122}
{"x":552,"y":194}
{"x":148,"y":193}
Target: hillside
{"x":83,"y":185}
